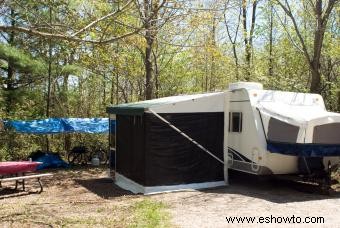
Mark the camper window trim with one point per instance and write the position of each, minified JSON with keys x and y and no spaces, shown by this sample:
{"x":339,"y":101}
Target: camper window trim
{"x":240,"y":122}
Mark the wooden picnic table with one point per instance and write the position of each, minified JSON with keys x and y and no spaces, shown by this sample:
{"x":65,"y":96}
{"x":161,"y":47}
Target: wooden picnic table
{"x":17,"y":171}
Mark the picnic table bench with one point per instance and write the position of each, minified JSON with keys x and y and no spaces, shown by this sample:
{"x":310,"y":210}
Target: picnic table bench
{"x":16,"y":171}
{"x":21,"y":180}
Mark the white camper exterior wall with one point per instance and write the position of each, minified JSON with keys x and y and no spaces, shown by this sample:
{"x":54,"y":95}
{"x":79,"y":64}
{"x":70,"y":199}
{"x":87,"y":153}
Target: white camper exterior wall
{"x":251,"y":142}
{"x":247,"y":142}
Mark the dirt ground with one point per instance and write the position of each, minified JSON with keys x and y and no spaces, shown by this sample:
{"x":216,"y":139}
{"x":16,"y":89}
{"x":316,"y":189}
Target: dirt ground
{"x":85,"y":198}
{"x":249,"y":197}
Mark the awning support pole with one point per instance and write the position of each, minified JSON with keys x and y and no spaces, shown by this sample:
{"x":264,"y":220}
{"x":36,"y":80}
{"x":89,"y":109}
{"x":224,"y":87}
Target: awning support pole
{"x":186,"y":136}
{"x":225,"y":137}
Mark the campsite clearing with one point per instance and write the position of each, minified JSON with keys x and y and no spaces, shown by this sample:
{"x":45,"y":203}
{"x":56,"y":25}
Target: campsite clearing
{"x":83,"y":197}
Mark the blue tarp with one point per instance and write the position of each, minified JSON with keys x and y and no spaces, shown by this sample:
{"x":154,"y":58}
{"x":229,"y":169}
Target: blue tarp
{"x":61,"y":125}
{"x":48,"y":160}
{"x":304,"y":149}
{"x":51,"y":161}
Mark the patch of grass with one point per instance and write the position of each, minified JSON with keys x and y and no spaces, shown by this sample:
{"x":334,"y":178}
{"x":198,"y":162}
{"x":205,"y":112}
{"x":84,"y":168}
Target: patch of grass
{"x":149,"y":213}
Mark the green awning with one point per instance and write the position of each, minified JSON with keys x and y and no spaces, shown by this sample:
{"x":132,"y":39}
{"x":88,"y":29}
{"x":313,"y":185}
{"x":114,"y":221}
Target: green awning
{"x":133,"y":111}
{"x":136,"y":108}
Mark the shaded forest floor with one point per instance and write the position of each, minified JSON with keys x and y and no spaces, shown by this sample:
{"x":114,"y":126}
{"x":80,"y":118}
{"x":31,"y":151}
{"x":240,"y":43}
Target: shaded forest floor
{"x":84,"y":197}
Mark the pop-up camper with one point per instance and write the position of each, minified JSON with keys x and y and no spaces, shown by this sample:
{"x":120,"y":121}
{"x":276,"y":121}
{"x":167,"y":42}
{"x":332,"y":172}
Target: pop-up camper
{"x":276,"y":132}
{"x":190,"y":141}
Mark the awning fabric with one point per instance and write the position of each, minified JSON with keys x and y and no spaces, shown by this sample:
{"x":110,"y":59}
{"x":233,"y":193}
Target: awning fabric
{"x":60,"y":125}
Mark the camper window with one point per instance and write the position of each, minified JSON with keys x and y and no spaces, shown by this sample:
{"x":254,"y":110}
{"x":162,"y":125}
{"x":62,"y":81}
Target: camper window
{"x":279,"y":131}
{"x":327,"y":133}
{"x":235,"y":121}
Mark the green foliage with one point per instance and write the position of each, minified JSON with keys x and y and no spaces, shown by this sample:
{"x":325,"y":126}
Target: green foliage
{"x":149,"y":214}
{"x":20,"y":60}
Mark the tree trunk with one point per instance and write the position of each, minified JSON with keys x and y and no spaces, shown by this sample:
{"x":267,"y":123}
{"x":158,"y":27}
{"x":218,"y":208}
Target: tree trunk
{"x":112,"y":90}
{"x":338,"y":101}
{"x":10,"y":89}
{"x":117,"y":88}
{"x":156,"y":72}
{"x":48,"y":98}
{"x":149,"y":38}
{"x":65,"y":94}
{"x":316,"y":81}
{"x":270,"y":70}
{"x":10,"y":72}
{"x":67,"y":137}
{"x":315,"y":86}
{"x":236,"y":62}
{"x":322,"y":16}
{"x":49,"y":80}
{"x":205,"y":83}
{"x":245,"y":38}
{"x":212,"y":65}
{"x":148,"y":68}
{"x":150,"y":16}
{"x":248,"y":41}
{"x":233,"y":41}
{"x":104,"y":90}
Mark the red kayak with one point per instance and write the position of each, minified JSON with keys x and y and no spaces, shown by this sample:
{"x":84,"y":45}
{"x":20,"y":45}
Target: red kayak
{"x":18,"y":167}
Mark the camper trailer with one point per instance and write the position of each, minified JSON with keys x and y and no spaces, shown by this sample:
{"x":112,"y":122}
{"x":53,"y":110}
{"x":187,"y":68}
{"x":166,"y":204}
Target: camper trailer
{"x":191,"y":141}
{"x":277,"y":132}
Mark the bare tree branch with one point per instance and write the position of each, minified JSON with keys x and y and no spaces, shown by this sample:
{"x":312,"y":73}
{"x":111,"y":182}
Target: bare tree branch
{"x":232,"y":40}
{"x":253,"y":18}
{"x":290,"y":15}
{"x":328,"y":11}
{"x":288,"y":34}
{"x":34,"y":32}
{"x":116,"y":13}
{"x":56,"y":34}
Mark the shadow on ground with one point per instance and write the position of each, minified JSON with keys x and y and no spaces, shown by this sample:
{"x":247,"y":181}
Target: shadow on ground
{"x":11,"y":193}
{"x":103,"y":187}
{"x":8,"y":190}
{"x":276,"y":191}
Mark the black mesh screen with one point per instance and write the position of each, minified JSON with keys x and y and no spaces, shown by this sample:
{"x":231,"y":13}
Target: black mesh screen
{"x":327,"y":133}
{"x":172,"y":159}
{"x":130,"y":158}
{"x":151,"y":153}
{"x":279,"y":131}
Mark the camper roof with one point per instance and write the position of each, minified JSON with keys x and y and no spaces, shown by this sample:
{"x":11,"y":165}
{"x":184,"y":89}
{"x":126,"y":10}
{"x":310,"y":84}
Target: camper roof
{"x":288,"y":98}
{"x":297,"y":112}
{"x":138,"y":108}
